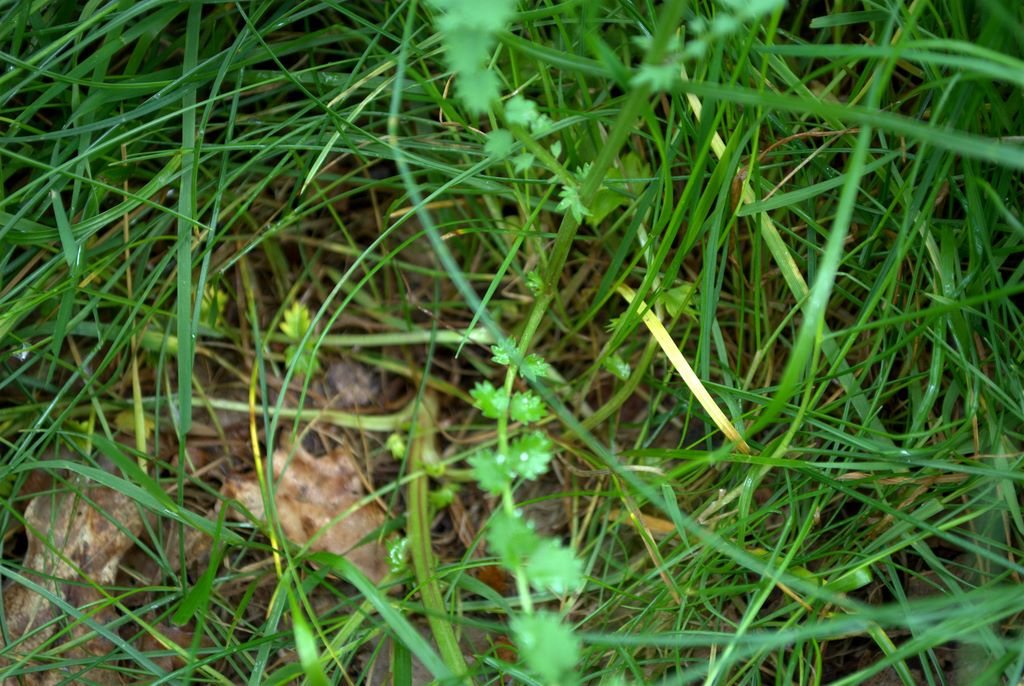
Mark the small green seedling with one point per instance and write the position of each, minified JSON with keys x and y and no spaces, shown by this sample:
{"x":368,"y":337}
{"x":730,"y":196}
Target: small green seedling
{"x":546,"y":645}
{"x":212,"y":306}
{"x":295,"y":325}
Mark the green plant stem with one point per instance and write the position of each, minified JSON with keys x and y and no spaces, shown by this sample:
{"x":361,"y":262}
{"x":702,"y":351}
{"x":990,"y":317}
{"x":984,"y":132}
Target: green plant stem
{"x":635,"y":103}
{"x":422,"y":452}
{"x":508,"y":504}
{"x":539,"y":151}
{"x":382,"y":422}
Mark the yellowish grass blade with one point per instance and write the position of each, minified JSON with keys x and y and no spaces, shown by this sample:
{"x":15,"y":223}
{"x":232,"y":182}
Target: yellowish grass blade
{"x":675,"y":356}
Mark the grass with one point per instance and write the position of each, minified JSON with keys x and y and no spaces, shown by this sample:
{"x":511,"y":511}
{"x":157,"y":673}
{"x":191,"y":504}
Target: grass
{"x":824,"y":213}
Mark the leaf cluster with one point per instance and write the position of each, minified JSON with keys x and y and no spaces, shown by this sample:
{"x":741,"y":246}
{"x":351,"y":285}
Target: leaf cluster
{"x":294,"y":326}
{"x":468,"y":29}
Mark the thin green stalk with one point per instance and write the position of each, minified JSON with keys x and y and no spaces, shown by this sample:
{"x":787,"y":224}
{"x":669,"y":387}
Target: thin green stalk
{"x":423,"y":452}
{"x":625,"y":122}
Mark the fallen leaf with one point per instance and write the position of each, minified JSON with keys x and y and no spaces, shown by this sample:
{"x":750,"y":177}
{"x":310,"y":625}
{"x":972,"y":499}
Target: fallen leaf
{"x":311,"y":497}
{"x":75,"y":544}
{"x":160,"y":638}
{"x":495,"y":577}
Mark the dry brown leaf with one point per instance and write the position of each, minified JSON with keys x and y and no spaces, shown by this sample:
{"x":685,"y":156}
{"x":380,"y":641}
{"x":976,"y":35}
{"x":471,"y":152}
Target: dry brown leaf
{"x":73,"y":548}
{"x":169,"y":634}
{"x":311,"y":495}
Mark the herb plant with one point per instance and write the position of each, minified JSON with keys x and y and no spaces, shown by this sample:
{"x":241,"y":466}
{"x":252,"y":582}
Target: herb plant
{"x":546,"y":644}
